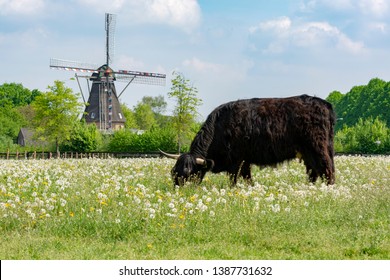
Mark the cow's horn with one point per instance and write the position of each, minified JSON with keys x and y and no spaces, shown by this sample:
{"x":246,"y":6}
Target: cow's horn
{"x":169,"y":155}
{"x":200,"y":161}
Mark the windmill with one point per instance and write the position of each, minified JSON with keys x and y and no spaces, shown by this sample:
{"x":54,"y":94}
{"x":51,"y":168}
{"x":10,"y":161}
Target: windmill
{"x":103,"y":106}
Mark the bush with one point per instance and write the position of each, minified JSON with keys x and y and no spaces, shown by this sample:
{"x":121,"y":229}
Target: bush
{"x":84,"y":138}
{"x":368,"y":136}
{"x":150,"y":141}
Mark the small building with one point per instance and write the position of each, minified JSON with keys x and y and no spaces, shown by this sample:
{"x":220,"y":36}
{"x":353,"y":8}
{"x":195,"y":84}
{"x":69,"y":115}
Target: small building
{"x":26,"y":138}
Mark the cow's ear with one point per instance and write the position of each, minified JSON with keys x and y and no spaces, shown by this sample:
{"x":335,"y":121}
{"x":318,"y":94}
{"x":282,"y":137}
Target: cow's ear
{"x":209,"y":164}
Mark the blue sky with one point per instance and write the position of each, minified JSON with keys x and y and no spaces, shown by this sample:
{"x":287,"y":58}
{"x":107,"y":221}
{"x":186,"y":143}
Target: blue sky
{"x":228,"y":49}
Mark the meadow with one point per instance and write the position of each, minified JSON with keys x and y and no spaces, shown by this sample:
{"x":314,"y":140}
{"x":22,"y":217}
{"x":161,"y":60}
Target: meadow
{"x":129,"y":209}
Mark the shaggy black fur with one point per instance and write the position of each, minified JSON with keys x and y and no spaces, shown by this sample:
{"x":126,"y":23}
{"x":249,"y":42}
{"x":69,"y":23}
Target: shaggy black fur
{"x":262,"y":131}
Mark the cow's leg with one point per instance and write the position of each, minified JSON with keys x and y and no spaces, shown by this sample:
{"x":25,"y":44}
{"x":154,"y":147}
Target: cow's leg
{"x":241,"y":169}
{"x":332,"y":173}
{"x":312,"y":173}
{"x":329,"y":169}
{"x":310,"y":170}
{"x":233,"y":178}
{"x":322,"y":164}
{"x":245,"y":171}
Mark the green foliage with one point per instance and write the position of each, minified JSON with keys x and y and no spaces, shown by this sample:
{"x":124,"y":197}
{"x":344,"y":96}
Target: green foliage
{"x":56,"y":111}
{"x":11,"y":122}
{"x":185,"y":112}
{"x":129,"y":115}
{"x":13,"y":98}
{"x":334,"y":97}
{"x":368,"y":136}
{"x":371,"y":100}
{"x":16,"y":95}
{"x":157,"y":104}
{"x":144,"y":116}
{"x":84,"y":138}
{"x":150,"y":141}
{"x":6,"y":143}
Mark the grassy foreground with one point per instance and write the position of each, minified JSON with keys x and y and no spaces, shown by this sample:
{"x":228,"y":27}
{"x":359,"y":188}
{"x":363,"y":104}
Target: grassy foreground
{"x":128,"y":209}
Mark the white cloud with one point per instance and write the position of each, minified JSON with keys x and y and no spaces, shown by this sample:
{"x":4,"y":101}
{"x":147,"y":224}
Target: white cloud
{"x":278,"y":25}
{"x":339,"y":4}
{"x":23,"y":7}
{"x":382,"y":27}
{"x":125,"y":62}
{"x":376,"y":8}
{"x":30,"y":38}
{"x":285,"y":33}
{"x":182,"y":14}
{"x":202,"y":66}
{"x":109,"y":6}
{"x":222,"y":72}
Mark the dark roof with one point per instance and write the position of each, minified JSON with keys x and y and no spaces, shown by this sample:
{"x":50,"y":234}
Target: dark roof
{"x":26,"y":138}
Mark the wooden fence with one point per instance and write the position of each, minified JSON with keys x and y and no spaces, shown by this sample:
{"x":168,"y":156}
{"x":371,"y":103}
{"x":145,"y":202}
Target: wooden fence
{"x":102,"y":155}
{"x":75,"y":155}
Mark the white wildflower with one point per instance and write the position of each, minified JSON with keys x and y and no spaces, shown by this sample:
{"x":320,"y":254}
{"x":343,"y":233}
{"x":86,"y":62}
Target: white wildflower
{"x":275,"y":208}
{"x":270,"y":198}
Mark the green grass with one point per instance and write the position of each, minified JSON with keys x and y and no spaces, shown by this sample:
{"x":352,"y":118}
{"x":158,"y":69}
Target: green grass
{"x":128,"y":209}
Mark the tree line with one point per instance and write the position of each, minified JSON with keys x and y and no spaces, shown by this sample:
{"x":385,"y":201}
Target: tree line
{"x":363,"y":118}
{"x":54,"y":116}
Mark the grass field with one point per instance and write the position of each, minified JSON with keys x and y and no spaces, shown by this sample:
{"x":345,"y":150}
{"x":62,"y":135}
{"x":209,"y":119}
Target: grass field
{"x":129,"y":209}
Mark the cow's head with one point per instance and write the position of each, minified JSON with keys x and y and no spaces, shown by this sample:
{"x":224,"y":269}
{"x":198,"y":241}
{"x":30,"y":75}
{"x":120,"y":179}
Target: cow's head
{"x":189,"y":168}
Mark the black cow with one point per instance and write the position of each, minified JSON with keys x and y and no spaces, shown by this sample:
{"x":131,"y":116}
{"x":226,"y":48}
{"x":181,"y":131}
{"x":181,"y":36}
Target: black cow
{"x":262,"y":131}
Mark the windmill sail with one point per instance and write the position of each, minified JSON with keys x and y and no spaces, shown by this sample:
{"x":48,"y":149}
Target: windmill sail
{"x":110,"y":43}
{"x":69,"y":65}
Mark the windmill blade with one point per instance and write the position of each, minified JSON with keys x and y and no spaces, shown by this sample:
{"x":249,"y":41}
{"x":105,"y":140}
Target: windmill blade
{"x":110,"y":38}
{"x":138,"y":77}
{"x":68,"y":65}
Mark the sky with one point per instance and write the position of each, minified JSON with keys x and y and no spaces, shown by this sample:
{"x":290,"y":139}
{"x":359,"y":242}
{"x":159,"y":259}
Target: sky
{"x":228,"y":49}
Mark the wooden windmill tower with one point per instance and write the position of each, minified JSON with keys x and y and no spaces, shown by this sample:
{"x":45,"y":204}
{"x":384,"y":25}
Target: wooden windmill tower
{"x":103,"y":106}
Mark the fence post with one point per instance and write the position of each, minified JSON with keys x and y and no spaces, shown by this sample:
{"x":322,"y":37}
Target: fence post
{"x":7,"y":153}
{"x":17,"y":154}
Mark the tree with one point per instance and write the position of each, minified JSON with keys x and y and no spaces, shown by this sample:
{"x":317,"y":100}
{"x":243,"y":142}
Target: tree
{"x":16,"y":95}
{"x":55,"y":113}
{"x":187,"y":102}
{"x":365,"y":101}
{"x":129,"y":115}
{"x":157,"y":104}
{"x":10,"y":123}
{"x":334,"y":97}
{"x":84,"y":138}
{"x":144,"y":116}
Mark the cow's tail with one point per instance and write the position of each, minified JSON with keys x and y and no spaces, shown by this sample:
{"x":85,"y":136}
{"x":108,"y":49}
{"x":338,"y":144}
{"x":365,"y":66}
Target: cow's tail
{"x":332,"y":124}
